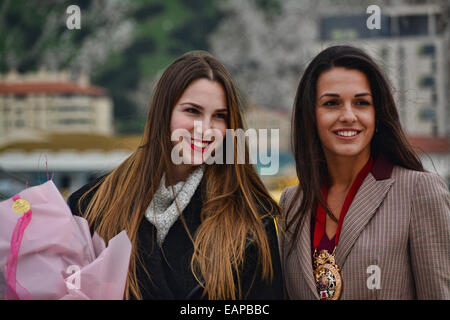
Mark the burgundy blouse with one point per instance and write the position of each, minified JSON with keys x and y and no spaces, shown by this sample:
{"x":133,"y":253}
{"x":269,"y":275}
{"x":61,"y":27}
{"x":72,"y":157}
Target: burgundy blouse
{"x":319,"y":237}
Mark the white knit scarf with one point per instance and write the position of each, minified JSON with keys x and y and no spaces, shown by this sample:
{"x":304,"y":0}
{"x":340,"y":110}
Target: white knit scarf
{"x":162,"y":211}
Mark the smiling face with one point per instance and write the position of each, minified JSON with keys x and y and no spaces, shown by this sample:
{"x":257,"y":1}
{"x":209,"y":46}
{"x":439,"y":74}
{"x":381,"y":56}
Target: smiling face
{"x":201,"y":112}
{"x":345,"y":114}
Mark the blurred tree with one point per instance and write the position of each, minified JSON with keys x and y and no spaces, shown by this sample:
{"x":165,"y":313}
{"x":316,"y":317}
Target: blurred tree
{"x":165,"y":30}
{"x":122,"y":45}
{"x":270,"y":45}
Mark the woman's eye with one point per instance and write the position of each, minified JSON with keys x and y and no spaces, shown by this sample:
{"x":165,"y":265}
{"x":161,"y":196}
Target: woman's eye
{"x":192,"y":110}
{"x":363,"y":103}
{"x":221,"y":115}
{"x":330,"y":103}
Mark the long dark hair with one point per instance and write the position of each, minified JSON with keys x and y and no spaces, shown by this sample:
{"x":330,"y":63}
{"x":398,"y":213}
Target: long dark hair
{"x":389,"y":139}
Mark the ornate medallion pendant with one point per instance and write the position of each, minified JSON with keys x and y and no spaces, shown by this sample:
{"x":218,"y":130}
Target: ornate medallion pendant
{"x":327,"y":277}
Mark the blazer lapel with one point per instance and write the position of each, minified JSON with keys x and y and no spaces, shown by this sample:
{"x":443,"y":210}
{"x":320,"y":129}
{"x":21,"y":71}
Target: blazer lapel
{"x":303,"y":253}
{"x":364,"y":205}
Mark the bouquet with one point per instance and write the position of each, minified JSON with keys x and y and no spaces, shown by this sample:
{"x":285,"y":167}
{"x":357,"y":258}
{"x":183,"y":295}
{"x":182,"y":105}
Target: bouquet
{"x":47,"y":253}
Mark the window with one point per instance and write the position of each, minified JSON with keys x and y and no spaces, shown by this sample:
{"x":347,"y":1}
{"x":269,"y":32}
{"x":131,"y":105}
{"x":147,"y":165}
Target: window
{"x":427,"y":82}
{"x":20,"y":123}
{"x":428,"y":49}
{"x":348,"y":27}
{"x":74,"y":121}
{"x":73,"y":109}
{"x":427,"y":113}
{"x":413,"y":25}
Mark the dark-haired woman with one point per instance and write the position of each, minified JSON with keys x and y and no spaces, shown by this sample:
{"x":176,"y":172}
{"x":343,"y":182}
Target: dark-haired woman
{"x":197,"y":230}
{"x":366,"y":221}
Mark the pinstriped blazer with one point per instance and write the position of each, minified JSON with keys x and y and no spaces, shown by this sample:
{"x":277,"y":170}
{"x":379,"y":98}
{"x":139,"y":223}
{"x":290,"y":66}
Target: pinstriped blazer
{"x":394,"y":243}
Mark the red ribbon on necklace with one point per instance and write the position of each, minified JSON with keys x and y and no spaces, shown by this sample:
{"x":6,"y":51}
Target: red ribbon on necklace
{"x":319,"y":229}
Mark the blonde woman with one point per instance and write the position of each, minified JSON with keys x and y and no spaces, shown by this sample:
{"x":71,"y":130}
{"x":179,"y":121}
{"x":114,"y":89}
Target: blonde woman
{"x":198,"y":230}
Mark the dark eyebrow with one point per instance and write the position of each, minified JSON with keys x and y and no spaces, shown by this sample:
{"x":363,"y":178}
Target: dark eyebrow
{"x":329,"y":95}
{"x":335,"y":95}
{"x":362,"y":94}
{"x":200,"y":107}
{"x":192,"y":104}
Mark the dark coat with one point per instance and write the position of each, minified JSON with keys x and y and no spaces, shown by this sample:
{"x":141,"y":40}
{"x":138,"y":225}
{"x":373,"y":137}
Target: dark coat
{"x":169,"y":266}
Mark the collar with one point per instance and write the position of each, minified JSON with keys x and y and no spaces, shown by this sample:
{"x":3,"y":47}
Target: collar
{"x":165,"y":207}
{"x":382,"y":168}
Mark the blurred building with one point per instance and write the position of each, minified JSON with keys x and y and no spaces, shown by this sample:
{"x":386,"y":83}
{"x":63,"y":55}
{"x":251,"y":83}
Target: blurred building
{"x":434,"y":152}
{"x":71,"y":160}
{"x":258,"y":117}
{"x":51,"y":126}
{"x":46,"y":102}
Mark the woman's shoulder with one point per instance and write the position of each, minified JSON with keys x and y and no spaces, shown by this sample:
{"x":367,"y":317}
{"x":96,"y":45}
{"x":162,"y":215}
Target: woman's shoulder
{"x":431,"y":184}
{"x":288,"y":195}
{"x":290,"y":191}
{"x":74,"y":198}
{"x":418,"y":179}
{"x":423,"y":185}
{"x":289,"y":202}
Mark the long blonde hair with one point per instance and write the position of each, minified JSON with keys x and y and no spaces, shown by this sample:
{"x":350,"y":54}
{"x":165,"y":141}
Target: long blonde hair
{"x":235,"y":195}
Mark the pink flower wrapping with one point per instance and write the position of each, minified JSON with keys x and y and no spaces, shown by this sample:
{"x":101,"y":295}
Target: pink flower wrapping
{"x":46,"y":253}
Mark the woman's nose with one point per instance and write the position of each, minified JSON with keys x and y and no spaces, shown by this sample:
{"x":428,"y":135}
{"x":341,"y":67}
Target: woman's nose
{"x":347,"y":113}
{"x":201,"y":126}
{"x":206,"y":123}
